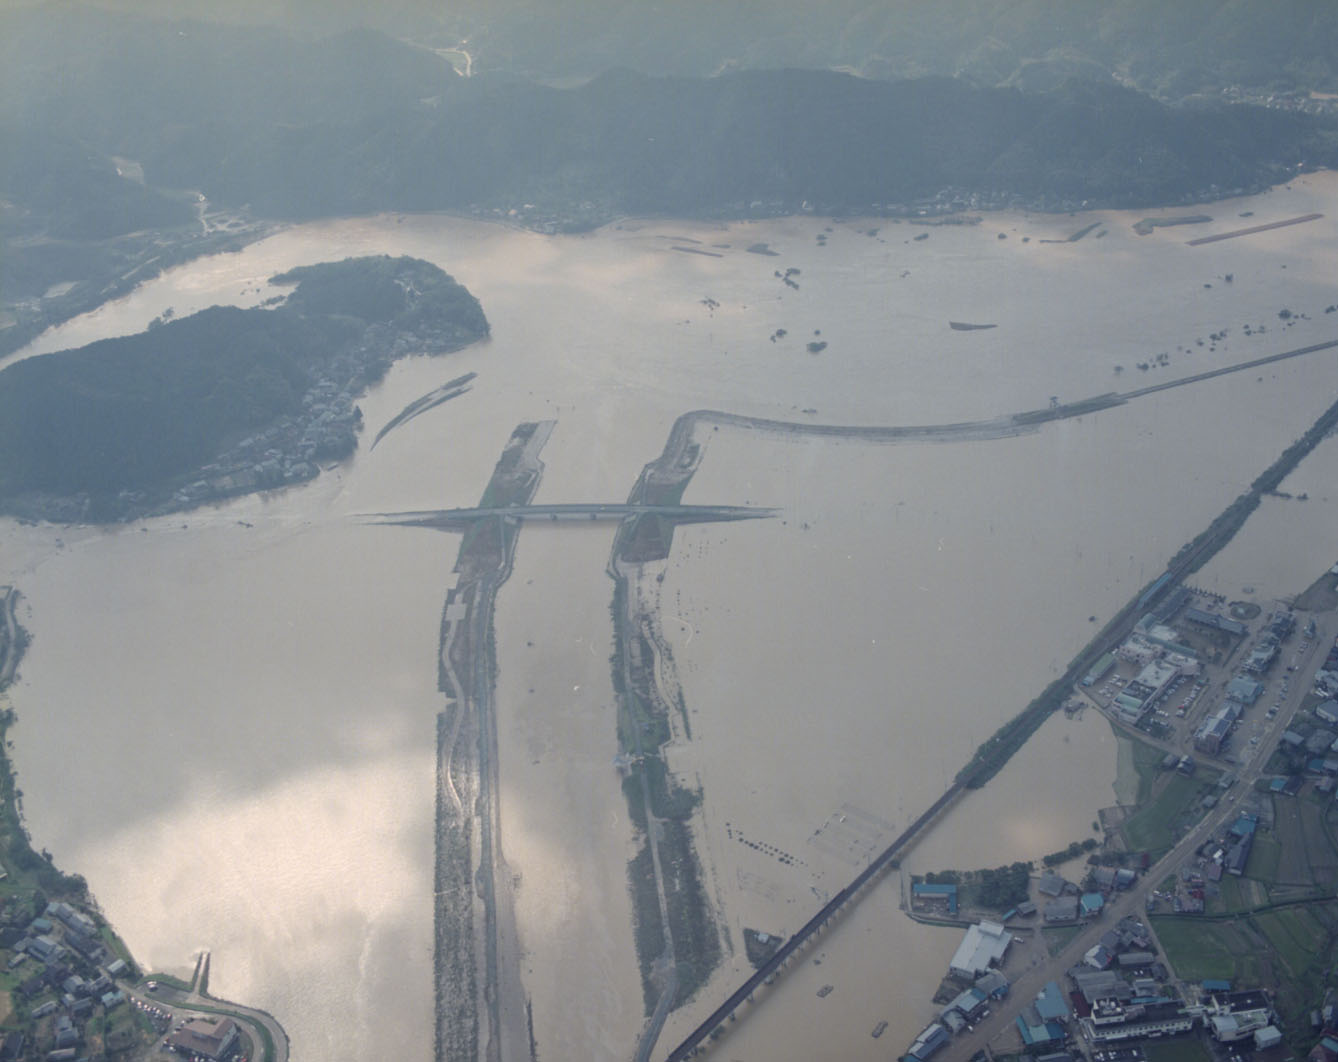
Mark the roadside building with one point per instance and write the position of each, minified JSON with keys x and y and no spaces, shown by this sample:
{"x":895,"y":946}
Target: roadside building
{"x":993,"y":984}
{"x":1064,"y":909}
{"x":66,"y":1034}
{"x":1099,"y":670}
{"x":1187,"y":664}
{"x":1036,"y":1032}
{"x":1051,"y":884}
{"x":1150,"y":684}
{"x":214,"y":1038}
{"x":1212,"y":734}
{"x":1214,"y":621}
{"x":1234,"y":1016}
{"x":1324,"y":1051}
{"x":1327,"y":712}
{"x":969,"y":1004}
{"x":1111,"y":1022}
{"x":1320,"y":741}
{"x":1267,"y":1037}
{"x":1051,"y":1004}
{"x":1091,"y":904}
{"x":1262,"y":655}
{"x":928,"y":1042}
{"x":983,"y":947}
{"x":1238,"y":855}
{"x":1138,"y":651}
{"x":75,"y":921}
{"x":1163,"y":637}
{"x":1098,"y":957}
{"x":1097,"y":985}
{"x":44,"y":949}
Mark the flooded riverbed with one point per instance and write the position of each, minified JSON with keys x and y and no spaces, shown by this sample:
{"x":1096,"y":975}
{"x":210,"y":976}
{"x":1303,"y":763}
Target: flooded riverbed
{"x":227,"y":717}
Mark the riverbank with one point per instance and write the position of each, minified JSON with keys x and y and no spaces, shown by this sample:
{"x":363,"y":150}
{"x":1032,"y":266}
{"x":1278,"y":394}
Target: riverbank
{"x":481,"y":1008}
{"x":66,"y":933}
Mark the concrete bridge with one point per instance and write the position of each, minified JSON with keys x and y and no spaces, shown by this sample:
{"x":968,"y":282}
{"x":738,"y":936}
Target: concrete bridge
{"x":458,"y":519}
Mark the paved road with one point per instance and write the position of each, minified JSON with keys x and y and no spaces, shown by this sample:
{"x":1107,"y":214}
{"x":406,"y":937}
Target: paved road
{"x":999,"y":1030}
{"x":184,"y":1005}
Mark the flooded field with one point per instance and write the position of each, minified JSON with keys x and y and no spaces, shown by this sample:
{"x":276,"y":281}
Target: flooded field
{"x":251,"y":689}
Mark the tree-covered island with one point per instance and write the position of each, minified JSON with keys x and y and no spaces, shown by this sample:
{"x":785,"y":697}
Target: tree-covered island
{"x":223,"y":402}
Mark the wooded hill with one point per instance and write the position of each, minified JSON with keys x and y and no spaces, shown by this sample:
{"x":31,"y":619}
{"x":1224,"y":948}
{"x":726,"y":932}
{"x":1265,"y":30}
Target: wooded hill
{"x":126,"y":421}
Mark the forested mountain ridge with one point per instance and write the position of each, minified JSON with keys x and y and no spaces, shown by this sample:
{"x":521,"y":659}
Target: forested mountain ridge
{"x":296,"y":127}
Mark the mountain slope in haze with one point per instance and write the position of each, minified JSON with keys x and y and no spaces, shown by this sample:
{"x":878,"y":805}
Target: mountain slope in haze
{"x":297,"y":128}
{"x":1169,"y":49}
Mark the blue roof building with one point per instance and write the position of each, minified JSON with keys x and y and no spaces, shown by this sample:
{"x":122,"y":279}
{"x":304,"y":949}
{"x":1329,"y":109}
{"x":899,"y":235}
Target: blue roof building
{"x":929,"y":1041}
{"x":946,"y":893}
{"x":1051,"y":1004}
{"x":1091,"y":903}
{"x":1038,"y":1033}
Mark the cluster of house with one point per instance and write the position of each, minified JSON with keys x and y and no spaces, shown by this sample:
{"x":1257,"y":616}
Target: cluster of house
{"x":1165,"y":660}
{"x":968,"y":1007}
{"x":1243,"y":691}
{"x":1326,"y":677}
{"x":63,"y":947}
{"x":1310,"y":746}
{"x":1066,"y":902}
{"x":1118,"y":994}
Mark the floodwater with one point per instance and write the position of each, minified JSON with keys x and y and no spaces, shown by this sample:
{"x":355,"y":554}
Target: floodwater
{"x":227,"y":716}
{"x":1288,"y":542}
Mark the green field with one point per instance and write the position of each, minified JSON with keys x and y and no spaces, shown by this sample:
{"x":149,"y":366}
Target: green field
{"x":1167,"y":802}
{"x":1057,"y":938}
{"x":1264,"y":858}
{"x":1295,"y":934}
{"x":1156,"y":825}
{"x":1199,"y":949}
{"x":1290,"y":949}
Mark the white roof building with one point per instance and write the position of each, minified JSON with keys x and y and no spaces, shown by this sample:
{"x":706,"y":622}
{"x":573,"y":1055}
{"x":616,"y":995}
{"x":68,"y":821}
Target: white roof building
{"x":1158,"y":674}
{"x":983,"y":946}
